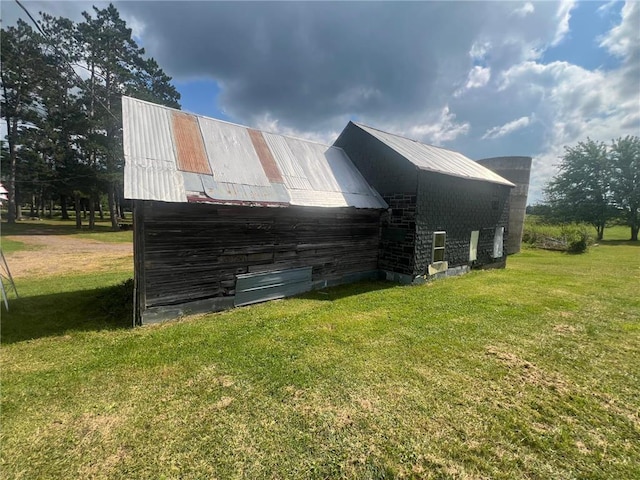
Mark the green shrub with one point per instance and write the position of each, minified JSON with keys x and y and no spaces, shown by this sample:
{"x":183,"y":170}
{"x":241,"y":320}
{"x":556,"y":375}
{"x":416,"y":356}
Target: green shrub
{"x":572,"y":238}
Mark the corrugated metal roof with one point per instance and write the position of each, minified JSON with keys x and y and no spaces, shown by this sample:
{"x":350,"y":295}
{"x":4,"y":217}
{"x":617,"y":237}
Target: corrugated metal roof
{"x":189,"y":144}
{"x":435,"y":159}
{"x":247,"y":167}
{"x":151,"y":171}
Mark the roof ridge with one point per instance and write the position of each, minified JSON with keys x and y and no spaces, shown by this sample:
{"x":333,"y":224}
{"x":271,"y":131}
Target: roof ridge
{"x":410,"y":139}
{"x":457,"y":163}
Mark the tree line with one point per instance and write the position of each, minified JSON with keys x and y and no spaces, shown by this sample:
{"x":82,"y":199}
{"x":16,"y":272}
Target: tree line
{"x":596,"y":184}
{"x":62,"y":83}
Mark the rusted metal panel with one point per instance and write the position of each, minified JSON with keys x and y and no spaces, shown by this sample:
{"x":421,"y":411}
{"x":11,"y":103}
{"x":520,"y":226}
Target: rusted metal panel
{"x":291,"y":170}
{"x":321,"y":176}
{"x":169,"y":153}
{"x":436,"y":159}
{"x":189,"y":146}
{"x":266,"y":158}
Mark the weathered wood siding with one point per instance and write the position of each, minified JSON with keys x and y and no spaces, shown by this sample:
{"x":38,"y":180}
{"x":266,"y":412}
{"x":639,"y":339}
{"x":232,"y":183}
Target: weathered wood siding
{"x":195,"y":251}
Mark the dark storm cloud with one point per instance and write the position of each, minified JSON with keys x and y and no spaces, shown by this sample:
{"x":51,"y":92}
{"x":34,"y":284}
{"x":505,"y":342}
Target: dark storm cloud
{"x":305,"y":62}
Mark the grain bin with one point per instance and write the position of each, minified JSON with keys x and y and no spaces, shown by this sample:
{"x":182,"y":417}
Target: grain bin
{"x":517,"y":170}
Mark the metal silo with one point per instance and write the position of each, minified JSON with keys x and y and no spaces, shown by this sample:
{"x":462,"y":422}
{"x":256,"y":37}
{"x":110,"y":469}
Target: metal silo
{"x":517,"y":170}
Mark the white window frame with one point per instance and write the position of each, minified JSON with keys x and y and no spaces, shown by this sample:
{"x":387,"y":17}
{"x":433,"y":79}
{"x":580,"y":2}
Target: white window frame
{"x":473,"y":245}
{"x":439,"y":249}
{"x":498,"y":243}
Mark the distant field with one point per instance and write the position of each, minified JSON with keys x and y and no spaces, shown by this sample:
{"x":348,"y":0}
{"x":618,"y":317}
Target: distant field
{"x":528,"y":372}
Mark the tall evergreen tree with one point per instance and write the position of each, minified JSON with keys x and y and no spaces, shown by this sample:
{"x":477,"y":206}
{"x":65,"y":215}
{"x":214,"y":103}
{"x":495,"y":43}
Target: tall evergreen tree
{"x":21,"y":63}
{"x":74,"y":137}
{"x":64,"y":127}
{"x":117,"y":66}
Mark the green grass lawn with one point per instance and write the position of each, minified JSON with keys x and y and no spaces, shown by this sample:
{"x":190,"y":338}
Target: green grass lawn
{"x":101,"y":232}
{"x":528,"y":372}
{"x":10,"y":246}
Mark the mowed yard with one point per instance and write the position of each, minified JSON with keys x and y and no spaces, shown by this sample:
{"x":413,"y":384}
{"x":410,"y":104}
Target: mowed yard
{"x":528,"y":372}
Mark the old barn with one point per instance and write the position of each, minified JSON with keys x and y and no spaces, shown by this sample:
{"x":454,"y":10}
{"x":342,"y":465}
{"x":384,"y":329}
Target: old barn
{"x":447,"y":213}
{"x":225,"y":215}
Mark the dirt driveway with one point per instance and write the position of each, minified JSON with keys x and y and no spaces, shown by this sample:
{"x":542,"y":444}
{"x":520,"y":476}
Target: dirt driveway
{"x":56,"y":255}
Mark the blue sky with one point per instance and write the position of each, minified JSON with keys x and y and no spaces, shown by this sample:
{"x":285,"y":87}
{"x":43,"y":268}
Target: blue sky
{"x":589,"y":21}
{"x":484,"y":78}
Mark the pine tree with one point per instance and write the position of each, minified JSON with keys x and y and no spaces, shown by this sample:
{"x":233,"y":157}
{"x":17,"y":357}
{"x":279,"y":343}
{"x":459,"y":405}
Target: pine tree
{"x":21,"y":62}
{"x":117,"y":66}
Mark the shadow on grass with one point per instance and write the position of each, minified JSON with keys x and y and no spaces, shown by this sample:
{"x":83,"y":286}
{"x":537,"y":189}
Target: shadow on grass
{"x":51,"y":227}
{"x":628,"y":243}
{"x":348,"y":290}
{"x":41,"y":316}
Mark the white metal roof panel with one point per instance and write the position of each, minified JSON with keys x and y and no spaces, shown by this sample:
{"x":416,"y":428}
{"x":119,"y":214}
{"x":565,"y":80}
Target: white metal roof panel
{"x":436,"y":159}
{"x":231,"y":153}
{"x":150,"y":171}
{"x":290,"y":169}
{"x":313,"y":174}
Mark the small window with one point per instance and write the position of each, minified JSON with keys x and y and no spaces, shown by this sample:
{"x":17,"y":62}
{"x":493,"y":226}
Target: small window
{"x":439,"y":239}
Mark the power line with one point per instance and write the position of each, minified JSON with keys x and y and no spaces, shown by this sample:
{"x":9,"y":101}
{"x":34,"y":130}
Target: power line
{"x":52,"y":44}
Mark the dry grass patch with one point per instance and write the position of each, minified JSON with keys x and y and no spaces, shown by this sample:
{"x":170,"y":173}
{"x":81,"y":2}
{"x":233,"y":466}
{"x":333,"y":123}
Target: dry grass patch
{"x":526,"y":371}
{"x":63,"y":255}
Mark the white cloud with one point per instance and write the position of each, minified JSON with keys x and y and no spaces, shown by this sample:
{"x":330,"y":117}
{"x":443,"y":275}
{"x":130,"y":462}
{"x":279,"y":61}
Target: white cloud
{"x":137,"y":27}
{"x":605,"y":7}
{"x":507,"y":128}
{"x":479,"y":50}
{"x":524,"y":10}
{"x":443,"y":129}
{"x":267,"y":123}
{"x":478,"y":77}
{"x":563,"y":15}
{"x":623,"y":40}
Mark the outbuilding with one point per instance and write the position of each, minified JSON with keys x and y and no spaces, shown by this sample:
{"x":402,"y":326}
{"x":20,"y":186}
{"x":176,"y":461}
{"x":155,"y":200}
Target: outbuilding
{"x":447,"y":214}
{"x":225,"y":215}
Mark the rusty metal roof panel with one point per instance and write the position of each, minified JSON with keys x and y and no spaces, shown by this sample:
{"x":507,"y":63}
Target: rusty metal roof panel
{"x":150,"y":171}
{"x":189,"y":145}
{"x":265,"y":156}
{"x":292,"y":172}
{"x":319,"y":175}
{"x":169,"y":153}
{"x":436,"y":159}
